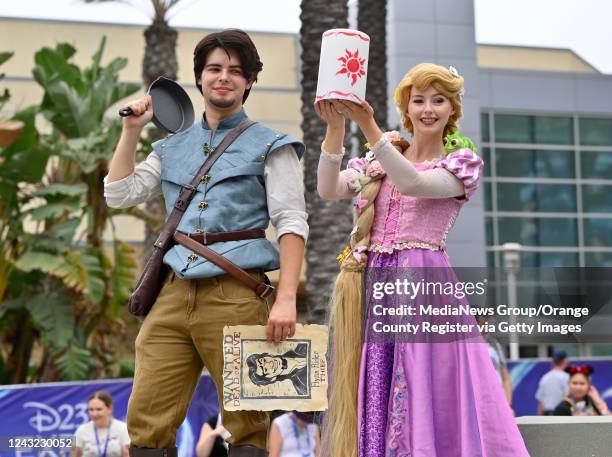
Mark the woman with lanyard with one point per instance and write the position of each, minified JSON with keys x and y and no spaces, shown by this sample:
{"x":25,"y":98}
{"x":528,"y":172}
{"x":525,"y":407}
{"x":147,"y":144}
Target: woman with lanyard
{"x":294,"y":434}
{"x":103,"y":435}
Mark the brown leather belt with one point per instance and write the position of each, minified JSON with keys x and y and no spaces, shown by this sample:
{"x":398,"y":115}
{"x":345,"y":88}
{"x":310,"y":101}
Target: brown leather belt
{"x":206,"y":238}
{"x":197,"y":242}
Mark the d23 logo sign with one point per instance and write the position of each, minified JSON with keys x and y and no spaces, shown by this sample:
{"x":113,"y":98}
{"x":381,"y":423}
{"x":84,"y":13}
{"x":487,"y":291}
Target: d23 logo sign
{"x":66,"y":417}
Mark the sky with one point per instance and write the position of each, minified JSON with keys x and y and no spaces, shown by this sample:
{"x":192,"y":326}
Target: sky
{"x":580,"y":25}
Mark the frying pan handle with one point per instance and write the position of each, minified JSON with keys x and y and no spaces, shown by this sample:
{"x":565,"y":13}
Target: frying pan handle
{"x":124,"y":112}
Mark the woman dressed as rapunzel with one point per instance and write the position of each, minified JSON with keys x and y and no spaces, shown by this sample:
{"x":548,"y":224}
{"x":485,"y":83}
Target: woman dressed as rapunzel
{"x":407,"y":398}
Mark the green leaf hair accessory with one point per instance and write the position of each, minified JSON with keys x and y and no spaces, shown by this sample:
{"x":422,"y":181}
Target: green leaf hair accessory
{"x":455,"y":141}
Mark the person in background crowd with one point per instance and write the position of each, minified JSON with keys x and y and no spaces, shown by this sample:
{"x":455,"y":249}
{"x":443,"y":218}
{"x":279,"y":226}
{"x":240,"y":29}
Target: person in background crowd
{"x":294,"y":434}
{"x":212,"y":439}
{"x":582,"y":399}
{"x":553,"y":385}
{"x":103,"y":435}
{"x":496,"y":354}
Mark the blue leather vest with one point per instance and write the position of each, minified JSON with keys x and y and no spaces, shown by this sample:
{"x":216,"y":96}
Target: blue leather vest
{"x":232,"y":197}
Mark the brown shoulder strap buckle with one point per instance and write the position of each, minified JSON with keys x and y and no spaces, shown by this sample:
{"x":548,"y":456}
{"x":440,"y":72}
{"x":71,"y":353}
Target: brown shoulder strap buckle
{"x":200,"y":237}
{"x":264,"y":290}
{"x":185,"y":196}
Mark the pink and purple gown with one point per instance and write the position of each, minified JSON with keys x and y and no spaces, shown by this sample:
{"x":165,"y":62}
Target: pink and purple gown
{"x":440,"y":399}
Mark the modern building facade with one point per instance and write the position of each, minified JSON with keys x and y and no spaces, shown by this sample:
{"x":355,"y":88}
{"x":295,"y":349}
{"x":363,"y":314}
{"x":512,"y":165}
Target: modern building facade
{"x":543,"y":118}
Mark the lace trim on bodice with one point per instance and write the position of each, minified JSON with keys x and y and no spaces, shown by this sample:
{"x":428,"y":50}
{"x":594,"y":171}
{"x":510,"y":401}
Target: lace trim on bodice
{"x":406,"y":245}
{"x":428,"y":162}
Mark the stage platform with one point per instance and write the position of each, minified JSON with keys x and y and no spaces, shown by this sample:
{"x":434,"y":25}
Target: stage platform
{"x":560,"y":436}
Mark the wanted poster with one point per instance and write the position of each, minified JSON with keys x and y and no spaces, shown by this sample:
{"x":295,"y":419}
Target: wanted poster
{"x":263,"y":376}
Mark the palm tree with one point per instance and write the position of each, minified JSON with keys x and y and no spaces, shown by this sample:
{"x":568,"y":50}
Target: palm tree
{"x":159,"y":60}
{"x":330,"y":221}
{"x":160,"y":44}
{"x":160,"y":41}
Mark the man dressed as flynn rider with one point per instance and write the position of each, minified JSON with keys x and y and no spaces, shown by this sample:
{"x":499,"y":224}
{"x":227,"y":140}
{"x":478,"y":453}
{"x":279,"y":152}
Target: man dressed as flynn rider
{"x":256,"y":180}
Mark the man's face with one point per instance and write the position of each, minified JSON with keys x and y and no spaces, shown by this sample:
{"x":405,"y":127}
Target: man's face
{"x":269,"y":367}
{"x":222,"y":80}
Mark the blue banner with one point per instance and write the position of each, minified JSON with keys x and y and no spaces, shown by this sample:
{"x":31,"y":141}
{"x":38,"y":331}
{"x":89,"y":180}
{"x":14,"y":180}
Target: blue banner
{"x":55,"y":410}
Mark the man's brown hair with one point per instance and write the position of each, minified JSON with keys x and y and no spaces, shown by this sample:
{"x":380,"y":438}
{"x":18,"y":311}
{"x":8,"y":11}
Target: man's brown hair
{"x":229,"y":40}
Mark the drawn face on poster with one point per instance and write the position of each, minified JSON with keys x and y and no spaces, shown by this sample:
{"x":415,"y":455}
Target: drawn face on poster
{"x":267,"y":369}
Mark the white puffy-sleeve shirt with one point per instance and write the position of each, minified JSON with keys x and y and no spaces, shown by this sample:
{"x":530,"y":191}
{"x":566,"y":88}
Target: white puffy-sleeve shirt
{"x":282,"y":177}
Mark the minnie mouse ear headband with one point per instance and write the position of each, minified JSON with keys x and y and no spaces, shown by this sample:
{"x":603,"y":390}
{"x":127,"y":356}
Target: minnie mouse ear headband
{"x":586,"y":370}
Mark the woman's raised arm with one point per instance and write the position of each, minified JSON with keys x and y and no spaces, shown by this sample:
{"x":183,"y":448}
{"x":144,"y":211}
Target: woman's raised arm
{"x":331,"y":183}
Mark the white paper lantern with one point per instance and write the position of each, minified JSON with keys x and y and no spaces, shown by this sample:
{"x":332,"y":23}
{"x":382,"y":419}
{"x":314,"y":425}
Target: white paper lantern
{"x":343,"y":68}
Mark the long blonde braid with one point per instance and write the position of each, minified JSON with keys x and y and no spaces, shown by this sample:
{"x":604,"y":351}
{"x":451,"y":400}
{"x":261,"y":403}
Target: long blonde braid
{"x":340,"y":432}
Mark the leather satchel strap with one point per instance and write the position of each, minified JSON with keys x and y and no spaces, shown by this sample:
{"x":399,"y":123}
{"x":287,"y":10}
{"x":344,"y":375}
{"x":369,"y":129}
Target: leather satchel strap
{"x":262,"y":289}
{"x":188,"y":190}
{"x":207,"y":238}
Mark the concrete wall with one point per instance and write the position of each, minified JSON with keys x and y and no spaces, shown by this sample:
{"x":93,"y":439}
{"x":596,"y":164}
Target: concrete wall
{"x":567,"y":436}
{"x":540,"y":59}
{"x":274,"y":100}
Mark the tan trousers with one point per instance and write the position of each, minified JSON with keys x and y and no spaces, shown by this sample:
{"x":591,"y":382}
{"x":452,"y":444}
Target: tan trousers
{"x":182,"y":333}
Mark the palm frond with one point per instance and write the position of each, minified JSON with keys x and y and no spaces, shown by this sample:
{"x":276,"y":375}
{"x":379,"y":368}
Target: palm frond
{"x":74,"y":362}
{"x":122,"y":277}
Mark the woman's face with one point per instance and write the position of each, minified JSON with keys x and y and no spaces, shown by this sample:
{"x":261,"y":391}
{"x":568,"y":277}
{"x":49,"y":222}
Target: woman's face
{"x":99,"y":413}
{"x":429,"y":111}
{"x":579,"y":386}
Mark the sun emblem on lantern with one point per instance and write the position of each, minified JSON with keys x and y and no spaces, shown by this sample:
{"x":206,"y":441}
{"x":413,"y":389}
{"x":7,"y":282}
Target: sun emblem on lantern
{"x":352,"y":66}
